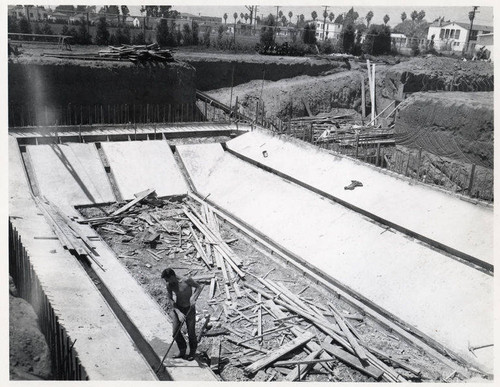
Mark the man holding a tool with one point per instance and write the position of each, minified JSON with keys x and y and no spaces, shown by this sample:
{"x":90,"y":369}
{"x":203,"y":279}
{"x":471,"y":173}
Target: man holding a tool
{"x":182,"y":309}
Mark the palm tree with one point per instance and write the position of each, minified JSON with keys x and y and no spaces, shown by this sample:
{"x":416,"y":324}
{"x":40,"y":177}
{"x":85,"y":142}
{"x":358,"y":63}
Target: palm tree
{"x":225,"y":18}
{"x":414,"y":15}
{"x":369,"y":17}
{"x":235,"y":15}
{"x":421,"y":15}
{"x":386,"y":19}
{"x":290,"y":14}
{"x":246,"y":17}
{"x":331,"y":16}
{"x":280,"y":14}
{"x":283,"y":20}
{"x":314,"y":15}
{"x":403,"y":17}
{"x":242,"y":16}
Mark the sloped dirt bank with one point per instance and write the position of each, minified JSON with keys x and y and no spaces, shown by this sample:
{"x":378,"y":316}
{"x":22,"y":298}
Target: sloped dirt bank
{"x":436,"y":73}
{"x":451,"y":124}
{"x":290,"y":96}
{"x":29,"y":356}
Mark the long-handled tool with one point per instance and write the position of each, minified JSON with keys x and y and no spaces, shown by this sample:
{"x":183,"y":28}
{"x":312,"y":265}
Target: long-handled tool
{"x":473,"y":348}
{"x":194,"y":298}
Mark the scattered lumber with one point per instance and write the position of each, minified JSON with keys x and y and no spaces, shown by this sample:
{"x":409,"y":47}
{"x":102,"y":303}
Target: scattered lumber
{"x":353,"y":361}
{"x":350,"y":337}
{"x":299,"y":372}
{"x":132,"y":203}
{"x":275,"y":355}
{"x":215,"y":354}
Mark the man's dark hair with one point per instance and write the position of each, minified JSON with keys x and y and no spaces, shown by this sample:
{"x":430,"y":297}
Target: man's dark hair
{"x":167,"y":273}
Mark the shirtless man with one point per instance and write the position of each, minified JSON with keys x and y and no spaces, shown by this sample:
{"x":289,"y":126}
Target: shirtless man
{"x":182,"y":308}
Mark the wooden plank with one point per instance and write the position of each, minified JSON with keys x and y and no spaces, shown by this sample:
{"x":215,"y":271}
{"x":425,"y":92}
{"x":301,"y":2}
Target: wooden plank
{"x":132,"y":203}
{"x":245,"y":345}
{"x":352,"y":360}
{"x":199,"y":248}
{"x":215,"y":354}
{"x":211,"y":293}
{"x":299,"y":372}
{"x":275,"y":355}
{"x":350,"y":337}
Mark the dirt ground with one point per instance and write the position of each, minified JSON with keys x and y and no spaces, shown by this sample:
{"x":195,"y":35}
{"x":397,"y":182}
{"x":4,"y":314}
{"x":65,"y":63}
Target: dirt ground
{"x":237,"y":316}
{"x":29,"y":356}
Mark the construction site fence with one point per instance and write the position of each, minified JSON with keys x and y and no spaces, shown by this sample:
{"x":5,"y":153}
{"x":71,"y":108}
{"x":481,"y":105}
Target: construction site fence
{"x":457,"y":176}
{"x":65,"y":362}
{"x":109,"y":114}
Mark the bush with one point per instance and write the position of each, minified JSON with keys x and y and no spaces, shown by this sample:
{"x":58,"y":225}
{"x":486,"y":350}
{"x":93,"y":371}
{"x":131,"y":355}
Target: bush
{"x":206,"y":37}
{"x":309,"y":36}
{"x":196,"y":32}
{"x":378,"y":40}
{"x":46,"y":29}
{"x":24,"y":26}
{"x":415,"y":49}
{"x":139,"y":39}
{"x":102,"y":33}
{"x":267,"y":33}
{"x":187,"y":35}
{"x":12,"y":25}
{"x":326,"y":47}
{"x":346,"y":39}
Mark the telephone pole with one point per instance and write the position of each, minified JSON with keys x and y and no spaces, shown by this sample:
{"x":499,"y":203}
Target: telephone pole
{"x":325,"y":14}
{"x":472,"y":15}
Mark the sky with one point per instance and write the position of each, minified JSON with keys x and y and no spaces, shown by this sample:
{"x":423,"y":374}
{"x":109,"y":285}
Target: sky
{"x":460,"y":14}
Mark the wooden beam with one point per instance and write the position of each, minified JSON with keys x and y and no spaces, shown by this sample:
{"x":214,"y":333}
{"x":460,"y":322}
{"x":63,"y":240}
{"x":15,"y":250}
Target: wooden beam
{"x":299,"y":372}
{"x":275,"y":355}
{"x":130,"y":204}
{"x":215,"y":354}
{"x":351,"y":360}
{"x":350,"y":337}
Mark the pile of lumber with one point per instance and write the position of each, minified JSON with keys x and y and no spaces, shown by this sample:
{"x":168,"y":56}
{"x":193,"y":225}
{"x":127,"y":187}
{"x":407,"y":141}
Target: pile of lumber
{"x":67,"y":230}
{"x":138,"y":53}
{"x":249,"y":321}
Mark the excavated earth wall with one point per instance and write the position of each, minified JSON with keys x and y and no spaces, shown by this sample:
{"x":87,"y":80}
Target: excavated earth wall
{"x":214,"y":73}
{"x":452,"y":124}
{"x":54,"y":83}
{"x":436,"y":73}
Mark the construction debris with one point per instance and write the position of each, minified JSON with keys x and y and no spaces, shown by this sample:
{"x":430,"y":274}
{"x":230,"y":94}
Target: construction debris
{"x":255,"y":320}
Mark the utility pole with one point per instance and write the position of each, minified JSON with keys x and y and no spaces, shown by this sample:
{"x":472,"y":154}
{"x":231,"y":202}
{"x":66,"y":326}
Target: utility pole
{"x":472,"y":15}
{"x":325,"y":14}
{"x":277,"y":12}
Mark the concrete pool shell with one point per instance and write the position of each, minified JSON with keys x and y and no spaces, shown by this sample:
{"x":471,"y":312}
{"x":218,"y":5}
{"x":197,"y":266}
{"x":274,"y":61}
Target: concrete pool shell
{"x":417,"y":284}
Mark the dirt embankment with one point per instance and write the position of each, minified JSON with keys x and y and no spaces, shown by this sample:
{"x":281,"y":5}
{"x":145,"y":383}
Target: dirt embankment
{"x":287,"y":96}
{"x":216,"y":71}
{"x":436,"y":73}
{"x":29,"y":356}
{"x":57,"y":83}
{"x":458,"y":125}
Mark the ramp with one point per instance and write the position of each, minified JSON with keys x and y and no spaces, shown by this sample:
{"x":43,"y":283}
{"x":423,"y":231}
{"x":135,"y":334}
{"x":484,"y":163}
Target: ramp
{"x":439,"y":217}
{"x":442,"y":298}
{"x":139,"y":165}
{"x":70,"y":174}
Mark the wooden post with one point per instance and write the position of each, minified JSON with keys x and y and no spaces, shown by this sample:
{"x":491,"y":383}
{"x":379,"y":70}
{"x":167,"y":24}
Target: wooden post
{"x":236,"y":107}
{"x":206,"y":111}
{"x":363,"y":100}
{"x":378,"y":154}
{"x":373,"y":95}
{"x":419,"y":161}
{"x":257,"y":113}
{"x":357,"y":144}
{"x":407,"y":164}
{"x":232,"y":81}
{"x":471,"y":179}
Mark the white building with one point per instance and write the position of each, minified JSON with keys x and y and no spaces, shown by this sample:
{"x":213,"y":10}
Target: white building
{"x":453,"y":36}
{"x":29,"y":12}
{"x":332,"y":30}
